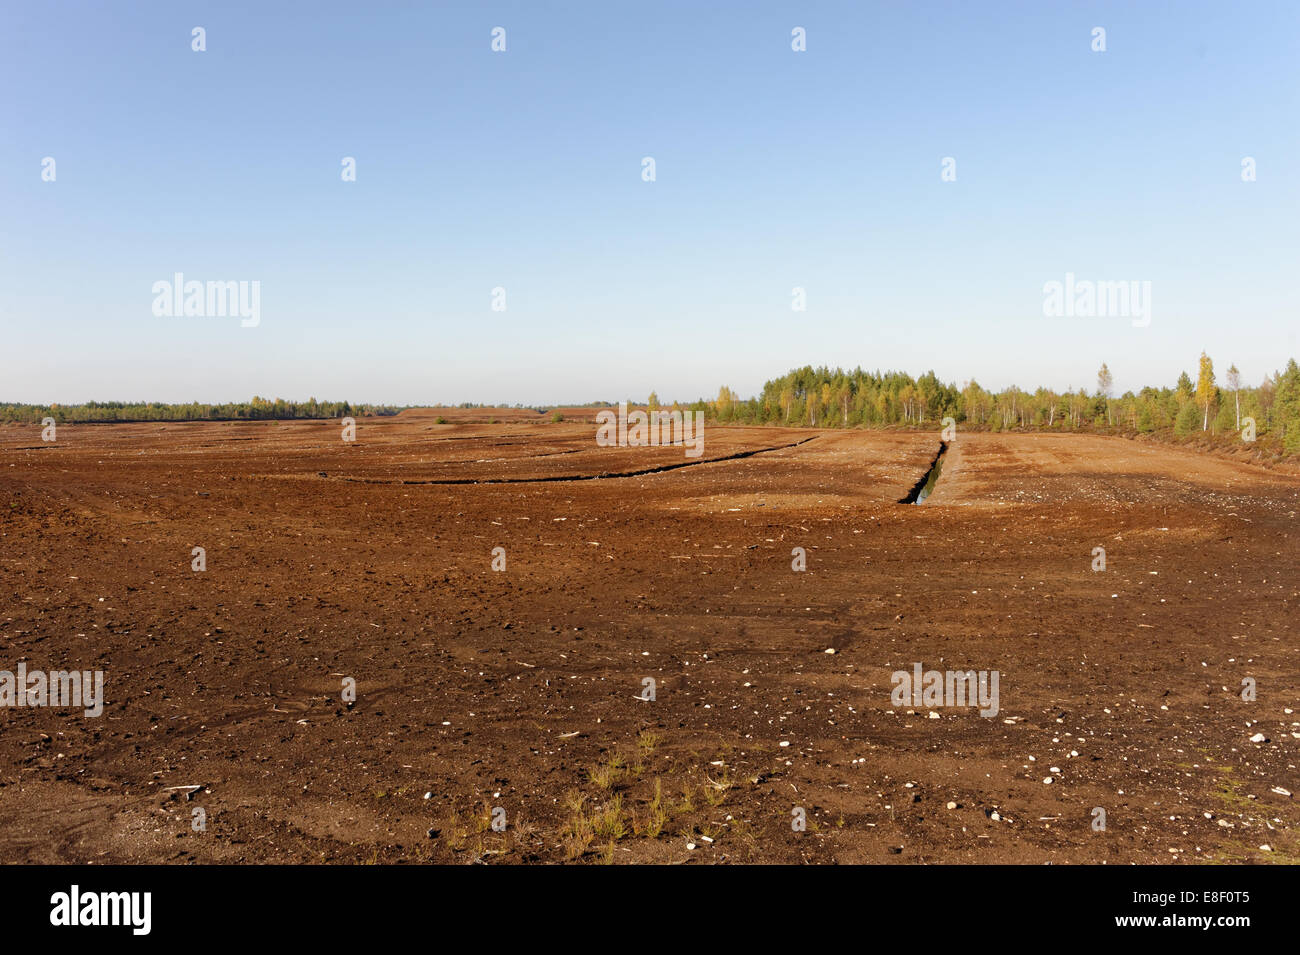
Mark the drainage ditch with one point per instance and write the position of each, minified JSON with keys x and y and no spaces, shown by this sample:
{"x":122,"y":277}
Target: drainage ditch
{"x":925,"y":487}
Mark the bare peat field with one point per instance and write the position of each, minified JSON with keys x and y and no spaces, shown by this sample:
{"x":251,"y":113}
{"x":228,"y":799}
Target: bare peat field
{"x":516,"y":695}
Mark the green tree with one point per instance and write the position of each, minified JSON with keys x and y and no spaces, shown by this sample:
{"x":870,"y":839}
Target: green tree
{"x":1287,"y":406}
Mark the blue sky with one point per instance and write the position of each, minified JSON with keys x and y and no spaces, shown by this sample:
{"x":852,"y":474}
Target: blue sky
{"x":522,"y":170}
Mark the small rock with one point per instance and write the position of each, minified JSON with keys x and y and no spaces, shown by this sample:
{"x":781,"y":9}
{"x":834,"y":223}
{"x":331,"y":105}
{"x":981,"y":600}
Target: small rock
{"x":1280,"y":791}
{"x":1259,"y":738}
{"x":952,"y":805}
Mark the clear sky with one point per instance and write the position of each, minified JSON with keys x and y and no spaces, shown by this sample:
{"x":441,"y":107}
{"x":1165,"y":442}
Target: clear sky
{"x":523,"y":170}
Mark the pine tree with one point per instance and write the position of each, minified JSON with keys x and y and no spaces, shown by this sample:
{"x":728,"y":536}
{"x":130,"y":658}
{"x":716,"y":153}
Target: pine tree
{"x":1287,"y":405}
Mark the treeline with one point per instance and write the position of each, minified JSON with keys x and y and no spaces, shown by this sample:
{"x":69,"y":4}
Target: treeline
{"x":473,"y":405}
{"x":540,"y":409}
{"x":834,"y":398}
{"x":257,"y":409}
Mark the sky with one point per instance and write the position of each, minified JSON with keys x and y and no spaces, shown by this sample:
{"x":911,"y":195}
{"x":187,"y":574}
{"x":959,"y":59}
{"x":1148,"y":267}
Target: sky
{"x":774,"y":169}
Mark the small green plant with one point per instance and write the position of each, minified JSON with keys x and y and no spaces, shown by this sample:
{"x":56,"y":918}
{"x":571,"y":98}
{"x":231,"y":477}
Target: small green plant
{"x":576,"y":835}
{"x":715,"y":792}
{"x":608,"y":823}
{"x":455,"y":832}
{"x":687,"y":803}
{"x":607,"y":774}
{"x":658,"y":812}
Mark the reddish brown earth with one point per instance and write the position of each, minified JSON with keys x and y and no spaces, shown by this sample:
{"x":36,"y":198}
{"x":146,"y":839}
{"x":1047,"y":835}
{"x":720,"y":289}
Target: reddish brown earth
{"x":521,"y":689}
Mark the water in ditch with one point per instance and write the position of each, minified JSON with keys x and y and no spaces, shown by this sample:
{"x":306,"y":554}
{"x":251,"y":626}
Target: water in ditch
{"x":925,"y":487}
{"x":930,"y":481}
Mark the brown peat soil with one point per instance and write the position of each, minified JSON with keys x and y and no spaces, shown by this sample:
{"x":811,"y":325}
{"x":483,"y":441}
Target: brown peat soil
{"x":522,"y":689}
